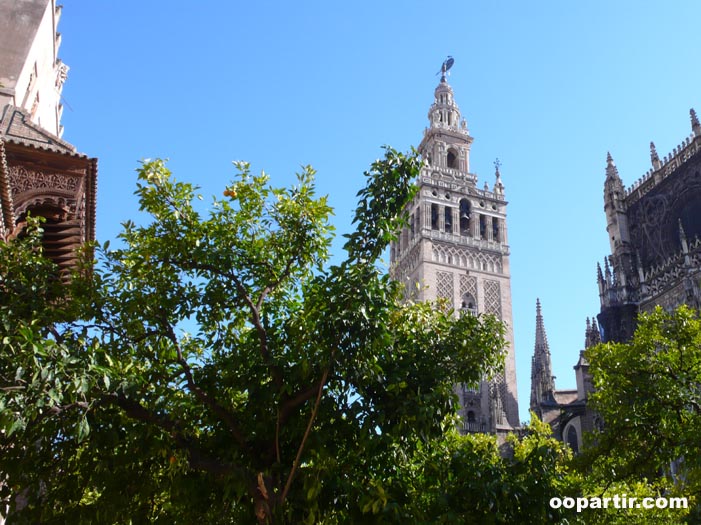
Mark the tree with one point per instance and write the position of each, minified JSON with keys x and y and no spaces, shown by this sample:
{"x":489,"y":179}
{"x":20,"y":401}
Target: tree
{"x":648,"y":395}
{"x":468,"y":479}
{"x":216,"y":367}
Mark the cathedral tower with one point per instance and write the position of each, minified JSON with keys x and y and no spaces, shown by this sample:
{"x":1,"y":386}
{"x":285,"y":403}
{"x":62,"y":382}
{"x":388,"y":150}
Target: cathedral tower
{"x":455,"y":247}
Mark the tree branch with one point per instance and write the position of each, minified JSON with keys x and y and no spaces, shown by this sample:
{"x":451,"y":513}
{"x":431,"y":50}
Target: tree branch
{"x":200,"y":394}
{"x":295,"y":464}
{"x":196,"y":458}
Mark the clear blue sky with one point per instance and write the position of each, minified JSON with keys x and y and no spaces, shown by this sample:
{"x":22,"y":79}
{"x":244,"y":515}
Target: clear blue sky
{"x":548,"y":87}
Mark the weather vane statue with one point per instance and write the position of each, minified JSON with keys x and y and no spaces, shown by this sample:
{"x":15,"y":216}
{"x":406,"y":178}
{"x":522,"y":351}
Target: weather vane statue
{"x":447,"y":64}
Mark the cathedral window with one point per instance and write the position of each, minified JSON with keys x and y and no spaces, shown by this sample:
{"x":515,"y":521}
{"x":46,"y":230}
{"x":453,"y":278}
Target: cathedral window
{"x":412,"y":225}
{"x":448,"y":214}
{"x":495,"y":230}
{"x":464,"y":217}
{"x":434,"y":216}
{"x":452,"y":159}
{"x":483,"y":227}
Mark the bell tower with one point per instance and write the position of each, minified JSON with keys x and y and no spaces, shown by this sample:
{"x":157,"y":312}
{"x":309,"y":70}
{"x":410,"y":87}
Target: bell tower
{"x":455,"y":247}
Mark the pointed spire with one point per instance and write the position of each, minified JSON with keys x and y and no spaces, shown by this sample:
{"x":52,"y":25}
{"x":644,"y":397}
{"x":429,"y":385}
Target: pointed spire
{"x":607,"y":269}
{"x":595,"y":333}
{"x":695,"y":126}
{"x":542,"y":380}
{"x":611,"y":170}
{"x":592,"y":337}
{"x":654,"y":157}
{"x":682,"y":237}
{"x":541,"y":339}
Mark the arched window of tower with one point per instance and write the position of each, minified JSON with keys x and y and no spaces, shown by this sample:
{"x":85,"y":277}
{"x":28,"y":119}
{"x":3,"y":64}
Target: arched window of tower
{"x":448,"y":213}
{"x":468,"y":305}
{"x":452,"y":161}
{"x":434,"y":216}
{"x":464,"y":217}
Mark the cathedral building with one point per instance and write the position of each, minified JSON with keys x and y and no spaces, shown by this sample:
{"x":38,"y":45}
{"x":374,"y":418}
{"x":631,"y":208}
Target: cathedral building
{"x":455,"y":248}
{"x":653,"y":229}
{"x":40,"y":173}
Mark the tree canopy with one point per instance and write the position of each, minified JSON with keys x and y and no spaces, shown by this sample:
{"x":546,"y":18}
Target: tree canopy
{"x":215,"y":366}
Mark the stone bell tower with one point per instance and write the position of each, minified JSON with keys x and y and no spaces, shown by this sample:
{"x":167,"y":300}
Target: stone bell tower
{"x":456,"y":247}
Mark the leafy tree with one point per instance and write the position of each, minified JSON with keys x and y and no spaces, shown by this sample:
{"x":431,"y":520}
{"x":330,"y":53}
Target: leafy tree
{"x":216,"y":367}
{"x":470,"y":479}
{"x":649,"y":397}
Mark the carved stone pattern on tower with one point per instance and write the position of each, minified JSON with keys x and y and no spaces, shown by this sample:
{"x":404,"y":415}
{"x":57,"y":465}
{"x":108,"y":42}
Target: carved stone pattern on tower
{"x":23,"y":179}
{"x":452,"y":179}
{"x":466,"y":259}
{"x":492,"y":297}
{"x":407,"y":264}
{"x":468,"y":285}
{"x":444,"y":287}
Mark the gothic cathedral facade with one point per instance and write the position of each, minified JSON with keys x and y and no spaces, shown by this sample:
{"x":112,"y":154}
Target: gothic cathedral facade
{"x":455,"y":248}
{"x":654,"y":229}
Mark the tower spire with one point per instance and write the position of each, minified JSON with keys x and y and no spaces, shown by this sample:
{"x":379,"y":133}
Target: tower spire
{"x":592,"y":337}
{"x":611,"y":169}
{"x":695,"y":125}
{"x":542,"y":380}
{"x":654,"y":157}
